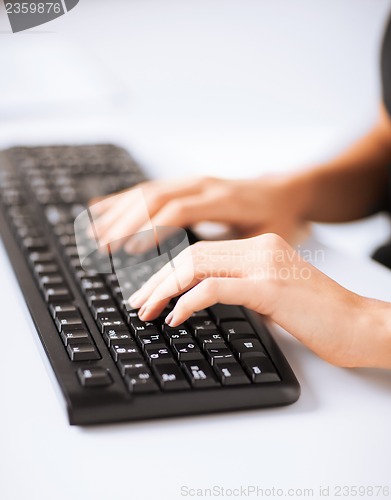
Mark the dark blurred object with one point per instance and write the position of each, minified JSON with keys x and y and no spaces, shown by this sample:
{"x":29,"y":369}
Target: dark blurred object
{"x":383,"y":255}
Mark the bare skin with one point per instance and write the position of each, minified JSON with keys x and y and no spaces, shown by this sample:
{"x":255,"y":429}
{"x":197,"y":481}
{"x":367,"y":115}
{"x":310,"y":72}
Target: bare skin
{"x":340,"y":326}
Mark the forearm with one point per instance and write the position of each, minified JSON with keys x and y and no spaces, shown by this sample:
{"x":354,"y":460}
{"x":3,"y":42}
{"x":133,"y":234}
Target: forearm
{"x":352,"y":186}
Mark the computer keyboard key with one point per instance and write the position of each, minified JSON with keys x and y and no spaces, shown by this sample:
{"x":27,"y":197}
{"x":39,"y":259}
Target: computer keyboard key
{"x":120,"y":335}
{"x":109,"y":316}
{"x":260,"y":369}
{"x":237,"y":329}
{"x":139,"y":326}
{"x":140,"y":381}
{"x":199,"y":374}
{"x":185,"y":350}
{"x":93,"y":298}
{"x":61,"y":308}
{"x":247,"y":347}
{"x":41,"y":257}
{"x":123,"y":350}
{"x":202,"y":314}
{"x":51,"y":280}
{"x":98,"y":310}
{"x":126,"y":366}
{"x":63,"y":320}
{"x":198,"y":325}
{"x":67,"y":240}
{"x":83,"y":352}
{"x":214,"y":354}
{"x":82,"y":273}
{"x":28,"y":232}
{"x":157,"y":354}
{"x":96,"y":285}
{"x":72,"y":252}
{"x":110,"y":320}
{"x":102,"y":305}
{"x":57,"y":294}
{"x":173,"y":334}
{"x":45,"y":269}
{"x":75,"y":337}
{"x":94,"y":377}
{"x":112,"y":325}
{"x":32,"y":244}
{"x":230,"y":372}
{"x":223,"y":312}
{"x":62,"y":229}
{"x":72,"y":328}
{"x":210,"y":339}
{"x":116,"y":330}
{"x":146,"y":338}
{"x":170,"y":376}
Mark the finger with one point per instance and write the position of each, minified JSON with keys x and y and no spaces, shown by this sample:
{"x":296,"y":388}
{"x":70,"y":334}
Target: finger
{"x":176,"y":213}
{"x":135,"y":214}
{"x":140,"y":296}
{"x":185,"y":211}
{"x":193,"y":257}
{"x":168,"y":289}
{"x":125,"y":219}
{"x":174,"y":188}
{"x":101,"y":203}
{"x":118,"y":211}
{"x":137,"y":245}
{"x":211,"y":291}
{"x":183,"y":278}
{"x":157,"y":194}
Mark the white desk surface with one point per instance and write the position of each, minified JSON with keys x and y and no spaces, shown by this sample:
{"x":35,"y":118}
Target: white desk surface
{"x":338,"y":433}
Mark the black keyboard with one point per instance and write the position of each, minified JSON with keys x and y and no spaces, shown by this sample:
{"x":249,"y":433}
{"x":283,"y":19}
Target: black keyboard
{"x":109,"y":364}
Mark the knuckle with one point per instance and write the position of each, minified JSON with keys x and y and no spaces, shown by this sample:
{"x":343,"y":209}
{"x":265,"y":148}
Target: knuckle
{"x":200,"y":182}
{"x":198,"y":246}
{"x":198,"y":252}
{"x":155,"y":198}
{"x":205,"y":181}
{"x":211,"y":286}
{"x":271,"y":242}
{"x":176,"y":208}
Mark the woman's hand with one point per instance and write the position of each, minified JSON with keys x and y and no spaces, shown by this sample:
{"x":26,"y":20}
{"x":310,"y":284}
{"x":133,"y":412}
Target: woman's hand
{"x":265,"y":274}
{"x":249,"y":207}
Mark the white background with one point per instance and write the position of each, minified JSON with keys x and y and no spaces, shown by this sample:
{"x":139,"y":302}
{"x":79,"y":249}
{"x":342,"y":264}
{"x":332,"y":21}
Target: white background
{"x":229,"y":88}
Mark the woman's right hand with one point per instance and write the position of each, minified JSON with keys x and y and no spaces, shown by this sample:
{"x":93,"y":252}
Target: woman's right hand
{"x":249,"y":207}
{"x":266,"y":275}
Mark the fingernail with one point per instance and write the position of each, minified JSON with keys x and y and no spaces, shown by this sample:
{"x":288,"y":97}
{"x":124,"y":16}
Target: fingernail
{"x":169,"y":318}
{"x":142,"y":311}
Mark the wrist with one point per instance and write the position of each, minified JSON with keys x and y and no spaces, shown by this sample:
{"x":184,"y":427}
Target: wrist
{"x":299,"y":190}
{"x":371,"y":341}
